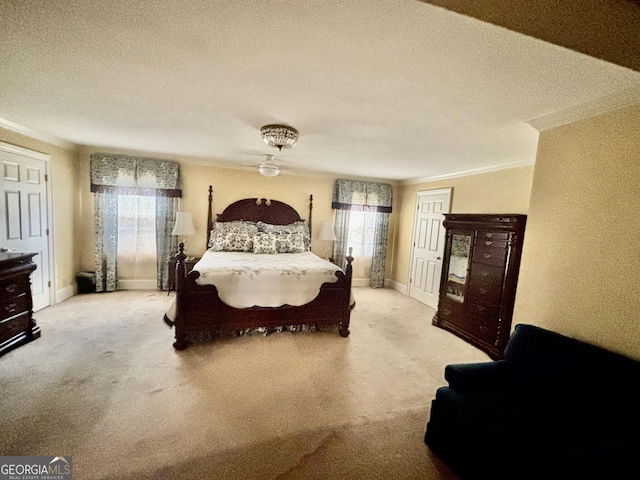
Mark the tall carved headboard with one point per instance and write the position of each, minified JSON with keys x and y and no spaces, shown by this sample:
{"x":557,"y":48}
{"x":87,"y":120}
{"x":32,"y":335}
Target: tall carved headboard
{"x":256,"y":210}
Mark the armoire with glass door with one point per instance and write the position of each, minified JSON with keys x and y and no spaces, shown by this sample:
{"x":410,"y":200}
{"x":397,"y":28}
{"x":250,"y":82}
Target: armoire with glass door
{"x":479,"y":278}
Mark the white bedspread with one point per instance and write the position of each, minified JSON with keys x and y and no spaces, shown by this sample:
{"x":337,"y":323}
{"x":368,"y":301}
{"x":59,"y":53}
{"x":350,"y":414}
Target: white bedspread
{"x":245,"y":280}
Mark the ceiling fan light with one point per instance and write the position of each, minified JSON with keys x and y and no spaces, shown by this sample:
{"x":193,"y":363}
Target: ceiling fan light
{"x":279,"y":136}
{"x":268,"y":170}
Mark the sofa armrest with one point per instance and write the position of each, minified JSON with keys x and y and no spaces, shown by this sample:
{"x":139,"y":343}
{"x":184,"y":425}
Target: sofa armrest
{"x":469,"y":377}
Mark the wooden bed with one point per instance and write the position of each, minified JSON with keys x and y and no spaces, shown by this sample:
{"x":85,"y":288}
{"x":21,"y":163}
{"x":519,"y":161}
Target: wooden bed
{"x":199,"y":308}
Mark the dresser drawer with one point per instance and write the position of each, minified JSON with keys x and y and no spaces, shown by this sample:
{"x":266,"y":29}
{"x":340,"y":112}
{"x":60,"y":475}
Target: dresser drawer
{"x":12,"y":287}
{"x":476,"y":306}
{"x":487,"y":293}
{"x":486,"y":235}
{"x":486,"y":275}
{"x":14,"y":306}
{"x":489,"y":255}
{"x":449,"y":310}
{"x":489,"y":242}
{"x":483,"y":329}
{"x":14,"y":326}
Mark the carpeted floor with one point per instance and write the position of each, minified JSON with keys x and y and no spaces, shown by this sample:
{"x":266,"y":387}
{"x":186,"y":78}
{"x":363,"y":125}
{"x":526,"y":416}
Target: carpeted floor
{"x":104,"y":385}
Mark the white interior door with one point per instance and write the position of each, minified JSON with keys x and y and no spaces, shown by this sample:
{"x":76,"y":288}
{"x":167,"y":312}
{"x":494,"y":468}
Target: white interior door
{"x":428,"y":245}
{"x":24,"y":224}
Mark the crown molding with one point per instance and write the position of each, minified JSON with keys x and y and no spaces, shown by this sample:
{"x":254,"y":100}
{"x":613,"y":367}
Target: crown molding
{"x":606,"y":103}
{"x":494,"y":167}
{"x":36,"y":134}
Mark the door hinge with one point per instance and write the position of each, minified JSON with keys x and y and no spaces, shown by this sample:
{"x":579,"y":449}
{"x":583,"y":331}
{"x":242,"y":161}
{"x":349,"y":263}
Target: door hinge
{"x":49,"y":283}
{"x":46,"y":177}
{"x":47,"y":232}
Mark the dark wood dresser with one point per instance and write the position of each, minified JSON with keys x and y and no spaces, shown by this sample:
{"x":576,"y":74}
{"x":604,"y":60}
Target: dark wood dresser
{"x":479,"y":278}
{"x":17,"y":325}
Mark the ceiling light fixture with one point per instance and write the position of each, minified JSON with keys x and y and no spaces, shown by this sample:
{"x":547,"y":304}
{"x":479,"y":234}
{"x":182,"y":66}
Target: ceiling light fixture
{"x":279,"y":136}
{"x":269,"y":168}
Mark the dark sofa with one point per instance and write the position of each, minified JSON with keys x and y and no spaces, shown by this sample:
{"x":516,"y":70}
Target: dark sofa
{"x":554,"y":407}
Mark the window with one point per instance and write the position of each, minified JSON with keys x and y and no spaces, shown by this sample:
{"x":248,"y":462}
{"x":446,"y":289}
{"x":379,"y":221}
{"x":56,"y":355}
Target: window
{"x":136,"y":228}
{"x":361,"y":234}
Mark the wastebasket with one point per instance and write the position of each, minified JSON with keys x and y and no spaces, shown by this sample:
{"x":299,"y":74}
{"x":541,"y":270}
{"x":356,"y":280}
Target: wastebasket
{"x":86,"y":282}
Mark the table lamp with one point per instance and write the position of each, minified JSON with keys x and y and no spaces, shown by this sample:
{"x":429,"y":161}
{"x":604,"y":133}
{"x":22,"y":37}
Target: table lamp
{"x":327,"y":235}
{"x":184,"y":226}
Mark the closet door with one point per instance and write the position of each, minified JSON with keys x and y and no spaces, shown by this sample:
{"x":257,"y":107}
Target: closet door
{"x":428,"y":245}
{"x":23,"y":203}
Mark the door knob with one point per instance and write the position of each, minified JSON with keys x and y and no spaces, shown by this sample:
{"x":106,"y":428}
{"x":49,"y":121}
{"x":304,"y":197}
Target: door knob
{"x":438,"y":258}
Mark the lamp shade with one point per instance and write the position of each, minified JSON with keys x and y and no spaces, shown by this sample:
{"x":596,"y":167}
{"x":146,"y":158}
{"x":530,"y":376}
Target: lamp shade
{"x":184,"y":224}
{"x":326,"y":231}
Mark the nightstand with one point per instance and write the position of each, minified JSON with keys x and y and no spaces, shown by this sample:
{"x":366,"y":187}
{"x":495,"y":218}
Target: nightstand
{"x":188,"y":264}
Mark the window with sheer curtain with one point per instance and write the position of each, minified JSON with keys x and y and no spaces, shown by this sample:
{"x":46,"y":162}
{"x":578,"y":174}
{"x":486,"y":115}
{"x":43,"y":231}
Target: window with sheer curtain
{"x":360,"y":237}
{"x":362,"y":223}
{"x":136,"y":228}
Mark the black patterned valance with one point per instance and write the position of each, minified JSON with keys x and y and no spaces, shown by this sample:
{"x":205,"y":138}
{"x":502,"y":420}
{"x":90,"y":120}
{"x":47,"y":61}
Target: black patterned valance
{"x":127,"y":175}
{"x":359,"y":195}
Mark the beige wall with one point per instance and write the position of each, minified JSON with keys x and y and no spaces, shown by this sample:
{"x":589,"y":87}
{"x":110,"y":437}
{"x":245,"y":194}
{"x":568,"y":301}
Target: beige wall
{"x":580,"y":271}
{"x":503,"y":191}
{"x":229,"y":185}
{"x":65,"y":198}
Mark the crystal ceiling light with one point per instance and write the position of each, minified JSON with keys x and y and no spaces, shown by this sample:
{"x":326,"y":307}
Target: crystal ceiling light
{"x":279,"y":136}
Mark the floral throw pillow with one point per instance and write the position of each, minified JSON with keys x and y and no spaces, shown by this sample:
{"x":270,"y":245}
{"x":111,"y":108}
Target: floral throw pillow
{"x":233,"y":236}
{"x":299,"y":227}
{"x":264,"y":243}
{"x":291,"y":243}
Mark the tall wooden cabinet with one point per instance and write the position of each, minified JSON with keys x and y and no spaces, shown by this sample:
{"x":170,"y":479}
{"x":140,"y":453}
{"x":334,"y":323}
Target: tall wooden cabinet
{"x":479,"y":278}
{"x":17,"y":325}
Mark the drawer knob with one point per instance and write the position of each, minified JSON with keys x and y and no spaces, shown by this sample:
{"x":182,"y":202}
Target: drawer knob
{"x":487,"y":255}
{"x":480,"y":308}
{"x":488,"y":243}
{"x":483,"y":291}
{"x":489,"y":234}
{"x":483,"y":329}
{"x":446,"y":311}
{"x":11,"y":308}
{"x":12,"y":288}
{"x":484,"y":273}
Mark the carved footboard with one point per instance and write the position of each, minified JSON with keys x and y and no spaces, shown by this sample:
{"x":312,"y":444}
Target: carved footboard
{"x":199,"y":307}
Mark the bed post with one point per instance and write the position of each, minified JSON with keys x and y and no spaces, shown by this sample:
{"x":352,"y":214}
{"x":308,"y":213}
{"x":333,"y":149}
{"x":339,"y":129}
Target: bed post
{"x":180,"y":343}
{"x":209,"y":217}
{"x":310,"y":219}
{"x":344,"y":324}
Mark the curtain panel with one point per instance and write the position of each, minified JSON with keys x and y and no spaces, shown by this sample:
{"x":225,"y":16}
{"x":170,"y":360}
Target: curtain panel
{"x":359,"y":195}
{"x":126,"y":175}
{"x":374,"y":199}
{"x":113,"y":175}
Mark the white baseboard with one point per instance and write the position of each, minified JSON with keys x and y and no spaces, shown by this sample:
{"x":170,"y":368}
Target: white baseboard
{"x":364,"y":282}
{"x":359,"y":282}
{"x":151,"y":284}
{"x":63,"y":294}
{"x":400,"y":287}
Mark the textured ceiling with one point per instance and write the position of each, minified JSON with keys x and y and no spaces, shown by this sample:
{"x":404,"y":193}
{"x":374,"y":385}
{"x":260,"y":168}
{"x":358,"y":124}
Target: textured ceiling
{"x":397,"y":90}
